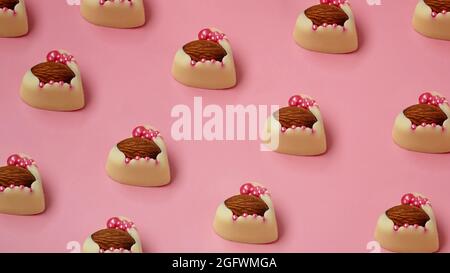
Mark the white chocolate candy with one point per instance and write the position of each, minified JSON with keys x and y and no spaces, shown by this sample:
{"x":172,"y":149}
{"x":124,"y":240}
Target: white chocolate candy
{"x":114,"y":13}
{"x":90,"y":246}
{"x":208,"y":74}
{"x":54,"y":96}
{"x":296,"y":141}
{"x":254,"y":229}
{"x":14,"y":22}
{"x":427,"y":139}
{"x":144,"y":172}
{"x":329,"y":38}
{"x":409,"y":239}
{"x":431,"y":23}
{"x":23,"y":200}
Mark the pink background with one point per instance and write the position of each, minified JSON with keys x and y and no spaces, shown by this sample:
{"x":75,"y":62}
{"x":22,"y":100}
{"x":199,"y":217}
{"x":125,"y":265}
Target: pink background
{"x":326,"y":203}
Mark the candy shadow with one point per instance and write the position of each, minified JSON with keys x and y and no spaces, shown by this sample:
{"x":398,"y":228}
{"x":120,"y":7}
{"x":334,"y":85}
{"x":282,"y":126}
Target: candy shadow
{"x":362,"y":38}
{"x":31,"y":19}
{"x":88,"y":96}
{"x":148,"y":13}
{"x":281,"y":226}
{"x":240,"y":74}
{"x":329,"y":130}
{"x":48,"y":196}
{"x":173,"y":170}
{"x":442,"y":238}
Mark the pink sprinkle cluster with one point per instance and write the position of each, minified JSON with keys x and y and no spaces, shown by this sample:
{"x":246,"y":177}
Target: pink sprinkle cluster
{"x":61,"y":83}
{"x":102,"y":2}
{"x":207,"y":34}
{"x":416,"y":226}
{"x":434,"y":14}
{"x":412,"y":200}
{"x":12,"y":186}
{"x":315,"y":27}
{"x":58,"y":57}
{"x":5,"y":9}
{"x":18,"y":161}
{"x":193,"y":63}
{"x":428,"y":98}
{"x":297,"y":100}
{"x":235,"y":217}
{"x":115,"y":250}
{"x":250,"y":189}
{"x":143,"y":132}
{"x":128,"y":160}
{"x":333,"y":2}
{"x":116,"y":223}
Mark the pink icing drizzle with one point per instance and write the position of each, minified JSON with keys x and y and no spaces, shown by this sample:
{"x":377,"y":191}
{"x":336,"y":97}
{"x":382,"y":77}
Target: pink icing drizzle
{"x":116,"y":223}
{"x":18,"y":161}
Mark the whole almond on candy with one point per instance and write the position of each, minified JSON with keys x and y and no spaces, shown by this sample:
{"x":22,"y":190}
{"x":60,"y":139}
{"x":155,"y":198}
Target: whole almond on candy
{"x":326,"y":14}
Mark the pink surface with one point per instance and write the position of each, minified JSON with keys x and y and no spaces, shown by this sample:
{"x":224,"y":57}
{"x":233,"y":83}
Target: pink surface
{"x":326,"y":203}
